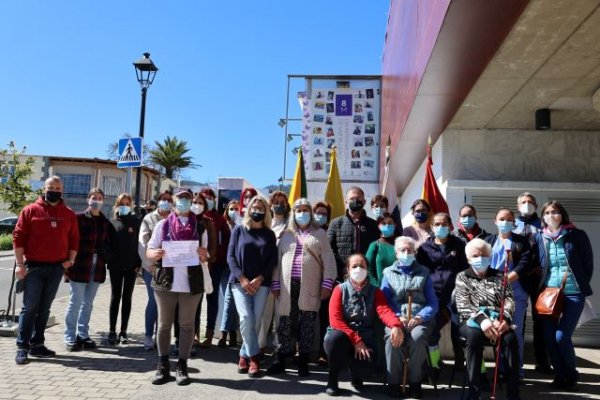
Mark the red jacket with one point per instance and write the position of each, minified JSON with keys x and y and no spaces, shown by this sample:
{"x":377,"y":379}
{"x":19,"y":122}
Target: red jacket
{"x":223,"y":234}
{"x":336,"y":314}
{"x":47,"y":233}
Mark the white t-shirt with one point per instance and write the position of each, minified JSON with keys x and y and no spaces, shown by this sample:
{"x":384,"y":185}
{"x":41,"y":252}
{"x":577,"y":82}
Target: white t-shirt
{"x":181,"y":283}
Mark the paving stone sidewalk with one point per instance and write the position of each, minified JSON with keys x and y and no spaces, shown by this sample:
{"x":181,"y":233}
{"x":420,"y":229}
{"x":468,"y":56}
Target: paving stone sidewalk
{"x":124,"y":371}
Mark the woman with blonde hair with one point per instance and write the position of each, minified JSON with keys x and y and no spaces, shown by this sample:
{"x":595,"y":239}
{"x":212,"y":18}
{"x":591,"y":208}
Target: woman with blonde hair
{"x":304,"y":276}
{"x":124,"y":265}
{"x":252,"y":256}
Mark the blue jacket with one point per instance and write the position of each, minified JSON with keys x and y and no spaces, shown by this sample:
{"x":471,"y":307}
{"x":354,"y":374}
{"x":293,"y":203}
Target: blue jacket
{"x":579,"y":255}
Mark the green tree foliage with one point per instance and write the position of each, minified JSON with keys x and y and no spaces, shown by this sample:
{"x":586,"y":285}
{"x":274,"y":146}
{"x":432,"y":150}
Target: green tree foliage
{"x":15,"y":172}
{"x":170,"y":155}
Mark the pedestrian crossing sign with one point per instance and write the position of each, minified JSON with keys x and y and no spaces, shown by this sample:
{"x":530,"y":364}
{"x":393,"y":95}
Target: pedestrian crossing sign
{"x":130,"y":152}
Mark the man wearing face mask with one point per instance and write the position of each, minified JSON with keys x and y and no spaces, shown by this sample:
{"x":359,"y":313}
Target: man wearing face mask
{"x":479,"y":301}
{"x":468,"y":228}
{"x":352,"y":232}
{"x":44,"y":249}
{"x":88,"y":272}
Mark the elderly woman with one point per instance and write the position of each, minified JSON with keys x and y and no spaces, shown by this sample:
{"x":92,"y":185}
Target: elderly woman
{"x":176,"y":287}
{"x":304,"y":277}
{"x":566,"y":258}
{"x":349,"y":341}
{"x":409,"y":291}
{"x":252,"y":256}
{"x":479,"y":300}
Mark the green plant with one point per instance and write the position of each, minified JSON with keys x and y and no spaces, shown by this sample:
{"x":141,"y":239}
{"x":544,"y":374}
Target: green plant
{"x":6,"y":241}
{"x":15,"y":171}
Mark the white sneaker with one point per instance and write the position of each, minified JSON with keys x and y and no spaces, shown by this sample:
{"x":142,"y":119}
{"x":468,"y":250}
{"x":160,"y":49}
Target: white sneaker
{"x":148,"y":343}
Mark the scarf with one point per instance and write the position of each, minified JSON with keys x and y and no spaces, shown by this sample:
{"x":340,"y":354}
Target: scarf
{"x":173,"y":229}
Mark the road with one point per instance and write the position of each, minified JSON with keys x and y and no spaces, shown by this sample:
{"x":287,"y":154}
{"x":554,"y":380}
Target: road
{"x":6,"y":270}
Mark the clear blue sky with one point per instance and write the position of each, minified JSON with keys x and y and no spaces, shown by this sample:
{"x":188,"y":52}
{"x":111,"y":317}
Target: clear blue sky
{"x":68,"y":87}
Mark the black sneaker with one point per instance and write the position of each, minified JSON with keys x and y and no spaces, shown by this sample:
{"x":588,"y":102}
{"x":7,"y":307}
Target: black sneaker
{"x":86,"y":343}
{"x":42,"y":352}
{"x":357,"y":383}
{"x":415,"y":391}
{"x":558,"y":383}
{"x":123,"y":338}
{"x":394,"y":391}
{"x":21,"y":357}
{"x":72,"y":346}
{"x":181,"y":373}
{"x":112,"y":338}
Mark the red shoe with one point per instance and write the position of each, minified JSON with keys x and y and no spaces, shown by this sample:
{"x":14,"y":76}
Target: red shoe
{"x":243,"y":365}
{"x":254,"y":370}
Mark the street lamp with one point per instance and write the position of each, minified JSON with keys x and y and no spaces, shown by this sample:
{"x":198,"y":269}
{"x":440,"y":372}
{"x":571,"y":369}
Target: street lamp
{"x":145,"y":70}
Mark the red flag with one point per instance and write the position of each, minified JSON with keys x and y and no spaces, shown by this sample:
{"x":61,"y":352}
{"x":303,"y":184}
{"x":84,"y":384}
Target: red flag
{"x":431,"y":192}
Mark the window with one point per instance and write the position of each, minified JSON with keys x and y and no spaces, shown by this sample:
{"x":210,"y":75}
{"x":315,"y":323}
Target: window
{"x":76,"y":183}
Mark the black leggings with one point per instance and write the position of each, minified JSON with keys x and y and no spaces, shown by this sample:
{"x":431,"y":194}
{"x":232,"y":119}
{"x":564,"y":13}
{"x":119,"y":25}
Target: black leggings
{"x":122,"y":282}
{"x":340,"y":355}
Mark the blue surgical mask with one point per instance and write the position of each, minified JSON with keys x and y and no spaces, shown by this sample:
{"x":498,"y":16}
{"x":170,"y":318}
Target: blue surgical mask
{"x":468,"y":222}
{"x":378,"y":211}
{"x":124,"y":210}
{"x":387,"y":230}
{"x":233,"y":214}
{"x":320,"y":219}
{"x":183,"y":205}
{"x":441,"y":232}
{"x":302,"y":218}
{"x":420,"y":217}
{"x":480,"y":264}
{"x":406,"y":258}
{"x":164,"y":205}
{"x":505,"y":226}
{"x":210,"y":204}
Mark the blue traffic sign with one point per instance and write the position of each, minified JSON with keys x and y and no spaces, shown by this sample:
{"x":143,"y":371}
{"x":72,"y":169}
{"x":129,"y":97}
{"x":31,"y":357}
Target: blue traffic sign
{"x":130,"y":152}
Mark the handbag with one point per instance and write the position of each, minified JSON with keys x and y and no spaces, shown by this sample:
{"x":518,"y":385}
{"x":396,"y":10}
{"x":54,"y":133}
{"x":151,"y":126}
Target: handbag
{"x":550,"y":302}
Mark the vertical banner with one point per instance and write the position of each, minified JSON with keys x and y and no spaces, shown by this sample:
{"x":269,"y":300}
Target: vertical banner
{"x":347,"y":119}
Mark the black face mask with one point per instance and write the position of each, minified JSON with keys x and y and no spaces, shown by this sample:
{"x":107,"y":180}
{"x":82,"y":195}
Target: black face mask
{"x":279,"y":209}
{"x":257,"y":217}
{"x":355,"y":205}
{"x":52,"y":197}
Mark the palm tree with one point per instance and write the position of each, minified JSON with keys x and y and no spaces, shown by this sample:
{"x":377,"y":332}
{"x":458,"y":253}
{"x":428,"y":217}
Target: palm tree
{"x":170,"y":154}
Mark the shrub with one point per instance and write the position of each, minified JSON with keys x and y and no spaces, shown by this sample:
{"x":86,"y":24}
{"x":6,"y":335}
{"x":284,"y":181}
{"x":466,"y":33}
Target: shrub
{"x":6,"y":241}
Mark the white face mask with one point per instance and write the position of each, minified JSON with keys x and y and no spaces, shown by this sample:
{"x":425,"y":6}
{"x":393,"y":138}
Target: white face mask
{"x":358,"y":275}
{"x":526,"y":209}
{"x":197,"y":208}
{"x":553,"y":221}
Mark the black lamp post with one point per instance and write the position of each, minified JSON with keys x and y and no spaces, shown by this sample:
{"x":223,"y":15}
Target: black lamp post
{"x":145,"y":71}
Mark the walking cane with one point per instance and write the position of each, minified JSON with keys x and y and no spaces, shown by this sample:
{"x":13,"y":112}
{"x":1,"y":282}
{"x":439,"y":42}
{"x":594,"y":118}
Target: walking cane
{"x":405,"y":369}
{"x":501,"y":319}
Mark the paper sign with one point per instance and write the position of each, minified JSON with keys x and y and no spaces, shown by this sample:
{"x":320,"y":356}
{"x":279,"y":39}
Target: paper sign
{"x":180,"y":253}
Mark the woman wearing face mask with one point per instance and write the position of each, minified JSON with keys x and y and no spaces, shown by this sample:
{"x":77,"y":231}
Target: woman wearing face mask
{"x":322,"y":214}
{"x":381,"y":253}
{"x":304,"y":276}
{"x":468,"y":228}
{"x":565,"y":255}
{"x":444,"y":255}
{"x":479,"y":300}
{"x":163,"y":209}
{"x":123,"y":266}
{"x":176,"y":287}
{"x":518,"y":266}
{"x":349,"y":341}
{"x":252,"y":256}
{"x":379,"y":206}
{"x":403,"y":279}
{"x":88,"y":271}
{"x":247,"y":195}
{"x":421,"y":229}
{"x":229,"y":319}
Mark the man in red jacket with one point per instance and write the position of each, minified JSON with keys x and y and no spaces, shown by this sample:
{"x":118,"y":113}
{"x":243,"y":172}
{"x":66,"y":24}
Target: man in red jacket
{"x":45,"y":240}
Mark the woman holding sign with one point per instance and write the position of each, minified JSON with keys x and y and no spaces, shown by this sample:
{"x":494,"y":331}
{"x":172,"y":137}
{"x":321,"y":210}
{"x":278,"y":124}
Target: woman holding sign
{"x":178,"y":281}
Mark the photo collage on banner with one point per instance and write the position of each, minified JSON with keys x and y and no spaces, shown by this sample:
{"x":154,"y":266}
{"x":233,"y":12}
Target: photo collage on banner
{"x":347,"y":119}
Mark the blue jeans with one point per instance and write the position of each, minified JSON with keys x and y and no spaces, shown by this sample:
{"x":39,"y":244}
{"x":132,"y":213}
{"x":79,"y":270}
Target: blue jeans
{"x":212,"y":300}
{"x":79,"y":310}
{"x":250,"y":309}
{"x":41,"y":285}
{"x":557,"y":335}
{"x":521,"y":299}
{"x":229,"y":317}
{"x":151,"y":309}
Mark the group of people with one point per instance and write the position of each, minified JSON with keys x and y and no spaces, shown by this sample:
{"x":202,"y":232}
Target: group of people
{"x":363,"y":292}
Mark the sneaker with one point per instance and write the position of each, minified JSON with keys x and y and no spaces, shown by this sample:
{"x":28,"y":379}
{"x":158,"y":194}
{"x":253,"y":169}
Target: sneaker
{"x":148,"y":343}
{"x":254,"y":369}
{"x":123,"y":338}
{"x":357,"y":383}
{"x":112,"y":338}
{"x":181,"y":373}
{"x":163,"y":371}
{"x":86,"y":343}
{"x":42,"y":352}
{"x":243,"y":365}
{"x":558,"y":383}
{"x":21,"y":357}
{"x":72,"y":346}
